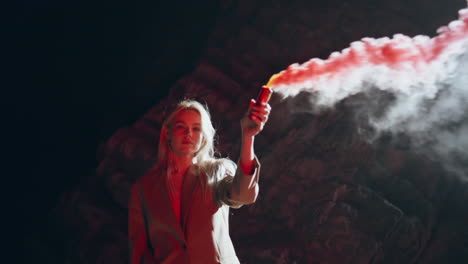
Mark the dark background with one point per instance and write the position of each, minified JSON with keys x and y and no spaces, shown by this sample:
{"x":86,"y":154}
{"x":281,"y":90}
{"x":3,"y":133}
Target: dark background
{"x":77,"y":71}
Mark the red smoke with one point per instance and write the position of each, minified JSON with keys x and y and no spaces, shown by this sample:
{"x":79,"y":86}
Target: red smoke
{"x":397,"y":53}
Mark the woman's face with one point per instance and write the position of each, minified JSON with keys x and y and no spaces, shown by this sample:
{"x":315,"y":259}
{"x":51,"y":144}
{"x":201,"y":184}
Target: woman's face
{"x":185,"y":133}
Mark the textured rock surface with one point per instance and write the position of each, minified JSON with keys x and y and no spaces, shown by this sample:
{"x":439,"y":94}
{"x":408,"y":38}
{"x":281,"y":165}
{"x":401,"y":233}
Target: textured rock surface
{"x":326,"y":195}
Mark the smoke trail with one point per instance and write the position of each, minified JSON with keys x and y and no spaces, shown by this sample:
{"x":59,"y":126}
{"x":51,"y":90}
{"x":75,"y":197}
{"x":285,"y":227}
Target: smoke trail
{"x":426,"y":80}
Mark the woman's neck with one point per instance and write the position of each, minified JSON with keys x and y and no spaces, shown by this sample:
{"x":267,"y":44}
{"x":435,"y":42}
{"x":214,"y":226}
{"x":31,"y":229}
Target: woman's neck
{"x":180,"y":164}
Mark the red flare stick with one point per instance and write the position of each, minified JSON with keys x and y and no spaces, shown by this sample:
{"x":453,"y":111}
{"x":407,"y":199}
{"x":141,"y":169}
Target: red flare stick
{"x":264,"y":95}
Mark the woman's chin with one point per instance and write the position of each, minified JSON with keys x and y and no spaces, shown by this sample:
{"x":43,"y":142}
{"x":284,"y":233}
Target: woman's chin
{"x":185,"y":152}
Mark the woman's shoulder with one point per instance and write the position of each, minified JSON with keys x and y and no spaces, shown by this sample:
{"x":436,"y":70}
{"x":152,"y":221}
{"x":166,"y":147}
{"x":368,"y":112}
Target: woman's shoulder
{"x":148,"y":175}
{"x":218,"y":162}
{"x":220,"y":167}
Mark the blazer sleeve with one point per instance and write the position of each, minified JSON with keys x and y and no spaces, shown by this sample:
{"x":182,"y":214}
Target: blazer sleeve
{"x":239,"y":189}
{"x":138,"y":240}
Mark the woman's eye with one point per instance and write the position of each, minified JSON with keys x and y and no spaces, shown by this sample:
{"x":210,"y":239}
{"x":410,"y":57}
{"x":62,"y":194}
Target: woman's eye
{"x":197,"y":129}
{"x":180,"y":127}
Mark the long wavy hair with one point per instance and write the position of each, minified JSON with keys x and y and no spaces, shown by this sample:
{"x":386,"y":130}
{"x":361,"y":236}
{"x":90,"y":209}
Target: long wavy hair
{"x":211,"y":169}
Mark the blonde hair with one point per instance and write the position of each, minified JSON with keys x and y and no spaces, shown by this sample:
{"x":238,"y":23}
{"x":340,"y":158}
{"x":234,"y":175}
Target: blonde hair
{"x":208,"y":132}
{"x":215,"y":169}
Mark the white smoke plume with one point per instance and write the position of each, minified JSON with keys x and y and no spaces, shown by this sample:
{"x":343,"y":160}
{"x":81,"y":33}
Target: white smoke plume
{"x":426,"y":78}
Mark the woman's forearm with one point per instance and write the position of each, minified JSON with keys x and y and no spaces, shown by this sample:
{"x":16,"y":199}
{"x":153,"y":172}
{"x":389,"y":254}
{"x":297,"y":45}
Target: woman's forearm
{"x":251,"y":124}
{"x":247,"y":154}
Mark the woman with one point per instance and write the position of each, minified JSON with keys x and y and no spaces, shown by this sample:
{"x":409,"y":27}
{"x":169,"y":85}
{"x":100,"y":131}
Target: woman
{"x":179,"y":210}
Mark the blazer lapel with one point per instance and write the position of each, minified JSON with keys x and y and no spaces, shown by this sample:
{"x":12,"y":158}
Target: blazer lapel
{"x":160,"y":213}
{"x":190,"y":181}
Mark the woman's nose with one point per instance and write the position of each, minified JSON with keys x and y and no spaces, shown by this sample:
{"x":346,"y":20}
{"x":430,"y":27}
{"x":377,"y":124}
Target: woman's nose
{"x":188,"y":133}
